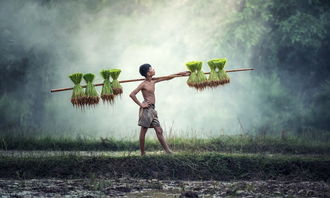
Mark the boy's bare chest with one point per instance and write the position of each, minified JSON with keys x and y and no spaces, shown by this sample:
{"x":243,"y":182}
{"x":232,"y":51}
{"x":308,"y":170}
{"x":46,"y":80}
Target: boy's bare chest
{"x":149,"y":87}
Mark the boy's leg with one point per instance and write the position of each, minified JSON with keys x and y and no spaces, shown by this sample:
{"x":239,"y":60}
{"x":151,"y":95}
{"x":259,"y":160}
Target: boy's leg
{"x":142,"y":136}
{"x":159,"y":132}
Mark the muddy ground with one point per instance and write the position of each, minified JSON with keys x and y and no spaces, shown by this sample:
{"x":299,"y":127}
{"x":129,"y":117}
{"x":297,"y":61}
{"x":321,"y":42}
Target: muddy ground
{"x":130,"y":187}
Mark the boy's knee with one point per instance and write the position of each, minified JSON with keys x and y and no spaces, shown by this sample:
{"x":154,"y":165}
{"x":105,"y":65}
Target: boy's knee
{"x":159,"y":130}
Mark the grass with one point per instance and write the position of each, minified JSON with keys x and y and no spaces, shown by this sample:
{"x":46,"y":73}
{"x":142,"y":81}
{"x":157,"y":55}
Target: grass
{"x":224,"y":143}
{"x":192,"y":67}
{"x":92,"y":97}
{"x":116,"y":87}
{"x":186,"y":165}
{"x":78,"y":94}
{"x":213,"y":80}
{"x":107,"y":92}
{"x":226,"y":157}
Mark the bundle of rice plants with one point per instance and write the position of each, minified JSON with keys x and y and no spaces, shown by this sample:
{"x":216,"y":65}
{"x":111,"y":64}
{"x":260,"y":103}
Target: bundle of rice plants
{"x":219,"y":65}
{"x":92,"y":97}
{"x":192,"y":67}
{"x":117,"y":88}
{"x":78,"y":95}
{"x":201,"y":78}
{"x":213,"y":79}
{"x":223,"y":76}
{"x":107,"y":92}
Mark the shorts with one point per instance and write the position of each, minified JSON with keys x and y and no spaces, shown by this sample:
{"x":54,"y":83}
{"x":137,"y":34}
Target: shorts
{"x":148,"y":117}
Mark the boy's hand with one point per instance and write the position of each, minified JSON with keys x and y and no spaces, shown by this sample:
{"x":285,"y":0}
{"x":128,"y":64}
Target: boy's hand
{"x":145,"y":105}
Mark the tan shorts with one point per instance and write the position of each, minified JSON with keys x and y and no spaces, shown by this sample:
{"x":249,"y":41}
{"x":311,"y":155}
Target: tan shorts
{"x":148,"y":117}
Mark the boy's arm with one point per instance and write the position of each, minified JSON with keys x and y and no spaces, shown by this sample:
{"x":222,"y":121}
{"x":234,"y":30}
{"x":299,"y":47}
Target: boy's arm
{"x":160,"y":79}
{"x":133,"y":96}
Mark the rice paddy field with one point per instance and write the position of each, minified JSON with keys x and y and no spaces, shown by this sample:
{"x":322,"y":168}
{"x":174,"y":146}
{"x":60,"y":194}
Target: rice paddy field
{"x":227,"y":166}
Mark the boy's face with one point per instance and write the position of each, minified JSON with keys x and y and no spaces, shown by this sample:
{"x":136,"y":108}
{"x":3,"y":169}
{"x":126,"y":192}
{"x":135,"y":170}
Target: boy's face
{"x":151,"y":72}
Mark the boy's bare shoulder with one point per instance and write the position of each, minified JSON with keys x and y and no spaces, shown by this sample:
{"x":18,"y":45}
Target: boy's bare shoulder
{"x":145,"y":83}
{"x":141,"y":85}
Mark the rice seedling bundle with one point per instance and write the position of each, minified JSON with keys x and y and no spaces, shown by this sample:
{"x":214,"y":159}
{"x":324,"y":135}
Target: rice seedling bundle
{"x":201,"y":78}
{"x":92,"y":97}
{"x":117,"y":88}
{"x":107,"y":92}
{"x":192,"y":67}
{"x":223,"y":76}
{"x":78,"y":95}
{"x":213,"y":79}
{"x":197,"y":78}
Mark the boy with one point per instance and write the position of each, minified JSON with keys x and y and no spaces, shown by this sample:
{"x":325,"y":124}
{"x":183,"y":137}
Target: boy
{"x":147,"y":114}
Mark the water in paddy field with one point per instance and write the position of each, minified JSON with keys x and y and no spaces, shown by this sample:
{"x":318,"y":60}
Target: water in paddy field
{"x":128,"y":187}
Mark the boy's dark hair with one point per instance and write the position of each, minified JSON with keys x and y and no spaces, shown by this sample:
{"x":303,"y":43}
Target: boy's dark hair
{"x":144,"y":69}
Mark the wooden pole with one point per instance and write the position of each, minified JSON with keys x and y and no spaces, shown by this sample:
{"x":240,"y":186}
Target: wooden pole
{"x":141,"y":79}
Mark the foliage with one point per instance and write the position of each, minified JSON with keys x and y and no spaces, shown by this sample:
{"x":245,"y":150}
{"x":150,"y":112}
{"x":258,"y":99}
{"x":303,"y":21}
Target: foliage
{"x":187,"y":166}
{"x":117,"y":88}
{"x":78,"y":94}
{"x":107,"y":92}
{"x":91,"y":97}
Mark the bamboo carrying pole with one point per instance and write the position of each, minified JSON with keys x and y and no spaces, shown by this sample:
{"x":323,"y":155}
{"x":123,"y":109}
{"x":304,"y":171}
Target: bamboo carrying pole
{"x":141,"y":79}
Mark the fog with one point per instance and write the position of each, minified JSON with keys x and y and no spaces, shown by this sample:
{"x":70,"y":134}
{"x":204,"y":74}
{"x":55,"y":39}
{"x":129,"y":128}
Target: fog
{"x":88,"y":36}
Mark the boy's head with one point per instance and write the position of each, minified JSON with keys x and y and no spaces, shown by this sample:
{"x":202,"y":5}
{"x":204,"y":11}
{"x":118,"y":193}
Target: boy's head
{"x":146,"y":70}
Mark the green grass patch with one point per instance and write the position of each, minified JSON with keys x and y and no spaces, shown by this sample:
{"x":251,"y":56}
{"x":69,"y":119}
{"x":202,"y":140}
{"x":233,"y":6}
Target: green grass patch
{"x":225,"y":143}
{"x":187,"y":165}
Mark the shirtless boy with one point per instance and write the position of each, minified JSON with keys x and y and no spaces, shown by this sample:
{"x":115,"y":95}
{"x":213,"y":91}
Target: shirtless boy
{"x":147,"y":114}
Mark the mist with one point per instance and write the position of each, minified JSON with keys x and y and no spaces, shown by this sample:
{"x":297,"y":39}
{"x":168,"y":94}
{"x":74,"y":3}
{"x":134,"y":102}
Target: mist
{"x":49,"y":40}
